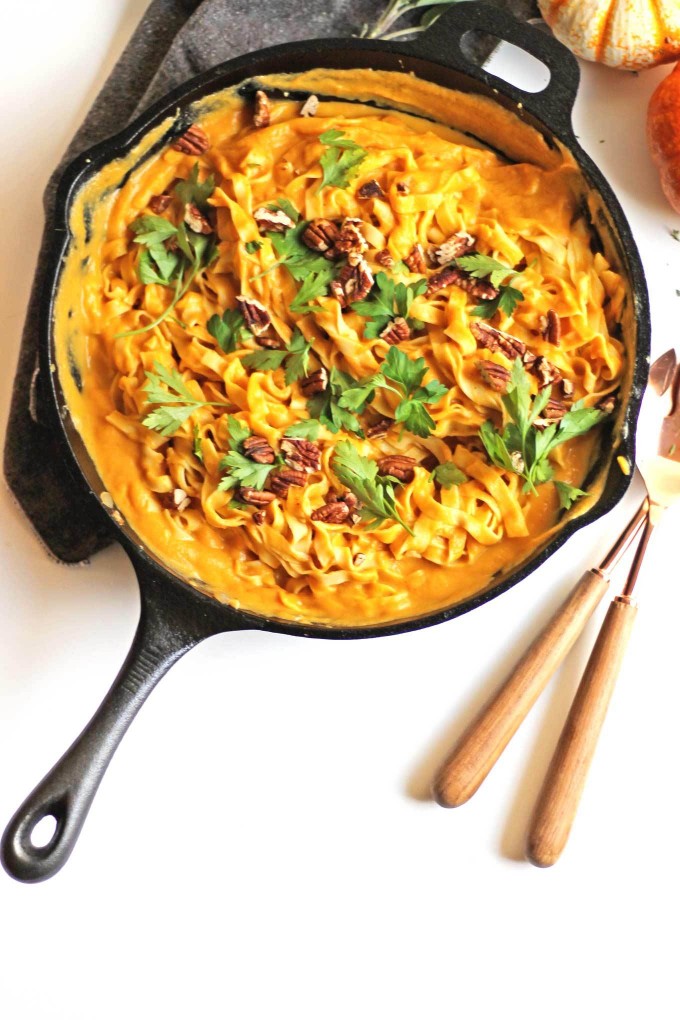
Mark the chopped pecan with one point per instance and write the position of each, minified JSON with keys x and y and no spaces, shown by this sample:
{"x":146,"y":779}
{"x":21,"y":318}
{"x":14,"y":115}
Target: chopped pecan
{"x":195,"y":220}
{"x":551,"y":327}
{"x":547,"y":373}
{"x":272,"y":221}
{"x":415,"y":260}
{"x":255,"y":497}
{"x":321,"y":235}
{"x":521,"y":265}
{"x":496,"y":340}
{"x":403,"y":188}
{"x":279,"y":482}
{"x":396,"y":331}
{"x":178,"y":500}
{"x":351,"y":242}
{"x":301,"y":454}
{"x":259,"y":517}
{"x":310,"y":106}
{"x":385,"y":258}
{"x":193,"y":142}
{"x":399,"y":467}
{"x":567,"y":388}
{"x":259,"y":450}
{"x":256,"y":316}
{"x":479,"y":289}
{"x":371,"y":189}
{"x":607,"y":404}
{"x":379,"y":428}
{"x":353,"y":283}
{"x":552,"y":412}
{"x":315,"y":382}
{"x":495,"y":376}
{"x":159,"y":203}
{"x":460,"y":244}
{"x":272,"y":343}
{"x":332,"y":513}
{"x":262,"y":113}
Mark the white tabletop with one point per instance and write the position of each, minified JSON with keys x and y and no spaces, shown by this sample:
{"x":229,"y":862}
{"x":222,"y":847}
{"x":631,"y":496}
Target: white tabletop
{"x":263,"y":844}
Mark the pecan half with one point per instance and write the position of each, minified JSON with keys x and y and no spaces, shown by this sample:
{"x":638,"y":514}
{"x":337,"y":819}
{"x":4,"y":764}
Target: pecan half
{"x":255,"y":497}
{"x":415,"y":260}
{"x":496,"y":340}
{"x":273,"y":221}
{"x":396,"y":331}
{"x":460,"y":244}
{"x":371,"y":189}
{"x":259,"y":450}
{"x":479,"y":289}
{"x":547,"y":373}
{"x":256,"y":316}
{"x":552,"y":412}
{"x":551,"y":328}
{"x":263,"y":111}
{"x":353,"y":283}
{"x":280,"y":481}
{"x":331,"y":513}
{"x":495,"y":376}
{"x":351,"y":242}
{"x":310,"y":106}
{"x":301,"y":454}
{"x":385,"y":258}
{"x":315,"y":382}
{"x":193,"y":142}
{"x":379,"y":428}
{"x":195,"y":220}
{"x":321,"y":235}
{"x":159,"y":203}
{"x":397,"y":466}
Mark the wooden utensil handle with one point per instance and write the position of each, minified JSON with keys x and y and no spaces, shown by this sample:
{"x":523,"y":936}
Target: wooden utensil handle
{"x":561,"y":793}
{"x":483,"y":742}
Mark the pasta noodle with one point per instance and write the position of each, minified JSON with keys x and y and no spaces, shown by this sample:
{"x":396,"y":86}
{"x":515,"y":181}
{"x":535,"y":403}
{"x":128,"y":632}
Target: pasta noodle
{"x":416,"y":186}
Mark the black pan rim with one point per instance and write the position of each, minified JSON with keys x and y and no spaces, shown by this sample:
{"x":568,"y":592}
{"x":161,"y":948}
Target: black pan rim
{"x":248,"y":66}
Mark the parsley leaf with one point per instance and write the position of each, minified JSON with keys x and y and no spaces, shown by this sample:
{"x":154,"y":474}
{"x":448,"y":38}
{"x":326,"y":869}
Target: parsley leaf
{"x":388,"y":299}
{"x":192,"y":191}
{"x":526,"y":450}
{"x":295,"y":357}
{"x":241,"y":470}
{"x":237,"y":432}
{"x":229,"y":330}
{"x":315,"y":285}
{"x":568,"y":494}
{"x":340,"y":162}
{"x":253,"y":246}
{"x":156,"y":265}
{"x":167,"y":388}
{"x":294,"y":254}
{"x":285,"y":205}
{"x":374,"y":491}
{"x":484,"y":267}
{"x":448,"y":474}
{"x":150,"y":230}
{"x":308,"y":428}
{"x":197,"y":445}
{"x":326,"y":406}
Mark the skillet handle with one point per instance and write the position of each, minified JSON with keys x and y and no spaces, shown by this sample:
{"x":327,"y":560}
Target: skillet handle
{"x":169,"y":626}
{"x":444,"y":42}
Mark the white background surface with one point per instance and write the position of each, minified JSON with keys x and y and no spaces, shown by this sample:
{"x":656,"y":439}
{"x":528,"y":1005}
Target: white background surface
{"x":262,"y":845}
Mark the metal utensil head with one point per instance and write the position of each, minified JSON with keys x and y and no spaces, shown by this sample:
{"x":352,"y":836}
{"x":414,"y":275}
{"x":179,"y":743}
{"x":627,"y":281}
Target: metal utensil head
{"x":658,"y":434}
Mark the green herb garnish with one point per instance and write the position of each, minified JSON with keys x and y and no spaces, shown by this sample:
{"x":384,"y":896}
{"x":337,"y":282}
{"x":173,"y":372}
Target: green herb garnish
{"x":253,"y":246}
{"x":286,"y":206}
{"x":484,"y":267}
{"x":315,"y":285}
{"x":241,"y":470}
{"x":388,"y":299}
{"x":309,"y":428}
{"x":340,"y":162}
{"x":374,"y":491}
{"x":448,"y":474}
{"x":229,"y":329}
{"x":327,"y":408}
{"x":167,"y":388}
{"x":568,"y":494}
{"x":525,"y":450}
{"x":197,"y":445}
{"x":194,"y":192}
{"x":295,"y":357}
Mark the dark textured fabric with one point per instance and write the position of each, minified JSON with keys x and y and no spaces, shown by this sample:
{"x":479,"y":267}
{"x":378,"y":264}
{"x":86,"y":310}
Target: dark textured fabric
{"x":175,"y":40}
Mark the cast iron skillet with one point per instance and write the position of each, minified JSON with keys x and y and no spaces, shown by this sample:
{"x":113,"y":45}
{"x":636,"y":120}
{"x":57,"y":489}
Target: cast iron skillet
{"x":174,"y":615}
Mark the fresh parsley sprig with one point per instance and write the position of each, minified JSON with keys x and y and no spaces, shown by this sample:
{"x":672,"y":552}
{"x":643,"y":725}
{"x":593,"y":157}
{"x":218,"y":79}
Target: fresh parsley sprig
{"x":341,"y":160}
{"x":241,"y":470}
{"x":483,"y":267}
{"x":176,"y":402}
{"x":229,"y":329}
{"x":389,"y":299}
{"x":374,"y":491}
{"x":327,"y":407}
{"x":295,"y":357}
{"x":526,"y":450}
{"x":448,"y":474}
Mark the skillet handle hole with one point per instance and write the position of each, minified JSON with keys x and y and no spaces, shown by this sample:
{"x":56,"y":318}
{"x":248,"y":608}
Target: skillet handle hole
{"x":509,"y":62}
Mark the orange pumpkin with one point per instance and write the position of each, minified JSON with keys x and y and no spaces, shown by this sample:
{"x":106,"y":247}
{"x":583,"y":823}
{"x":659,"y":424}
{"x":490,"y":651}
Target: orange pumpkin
{"x":663,"y":134}
{"x":629,"y":34}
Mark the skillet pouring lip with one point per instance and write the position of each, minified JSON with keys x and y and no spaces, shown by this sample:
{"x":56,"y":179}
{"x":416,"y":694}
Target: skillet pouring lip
{"x":335,"y":54}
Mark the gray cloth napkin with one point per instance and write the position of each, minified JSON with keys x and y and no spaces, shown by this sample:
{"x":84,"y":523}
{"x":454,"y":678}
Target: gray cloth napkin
{"x":175,"y":40}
